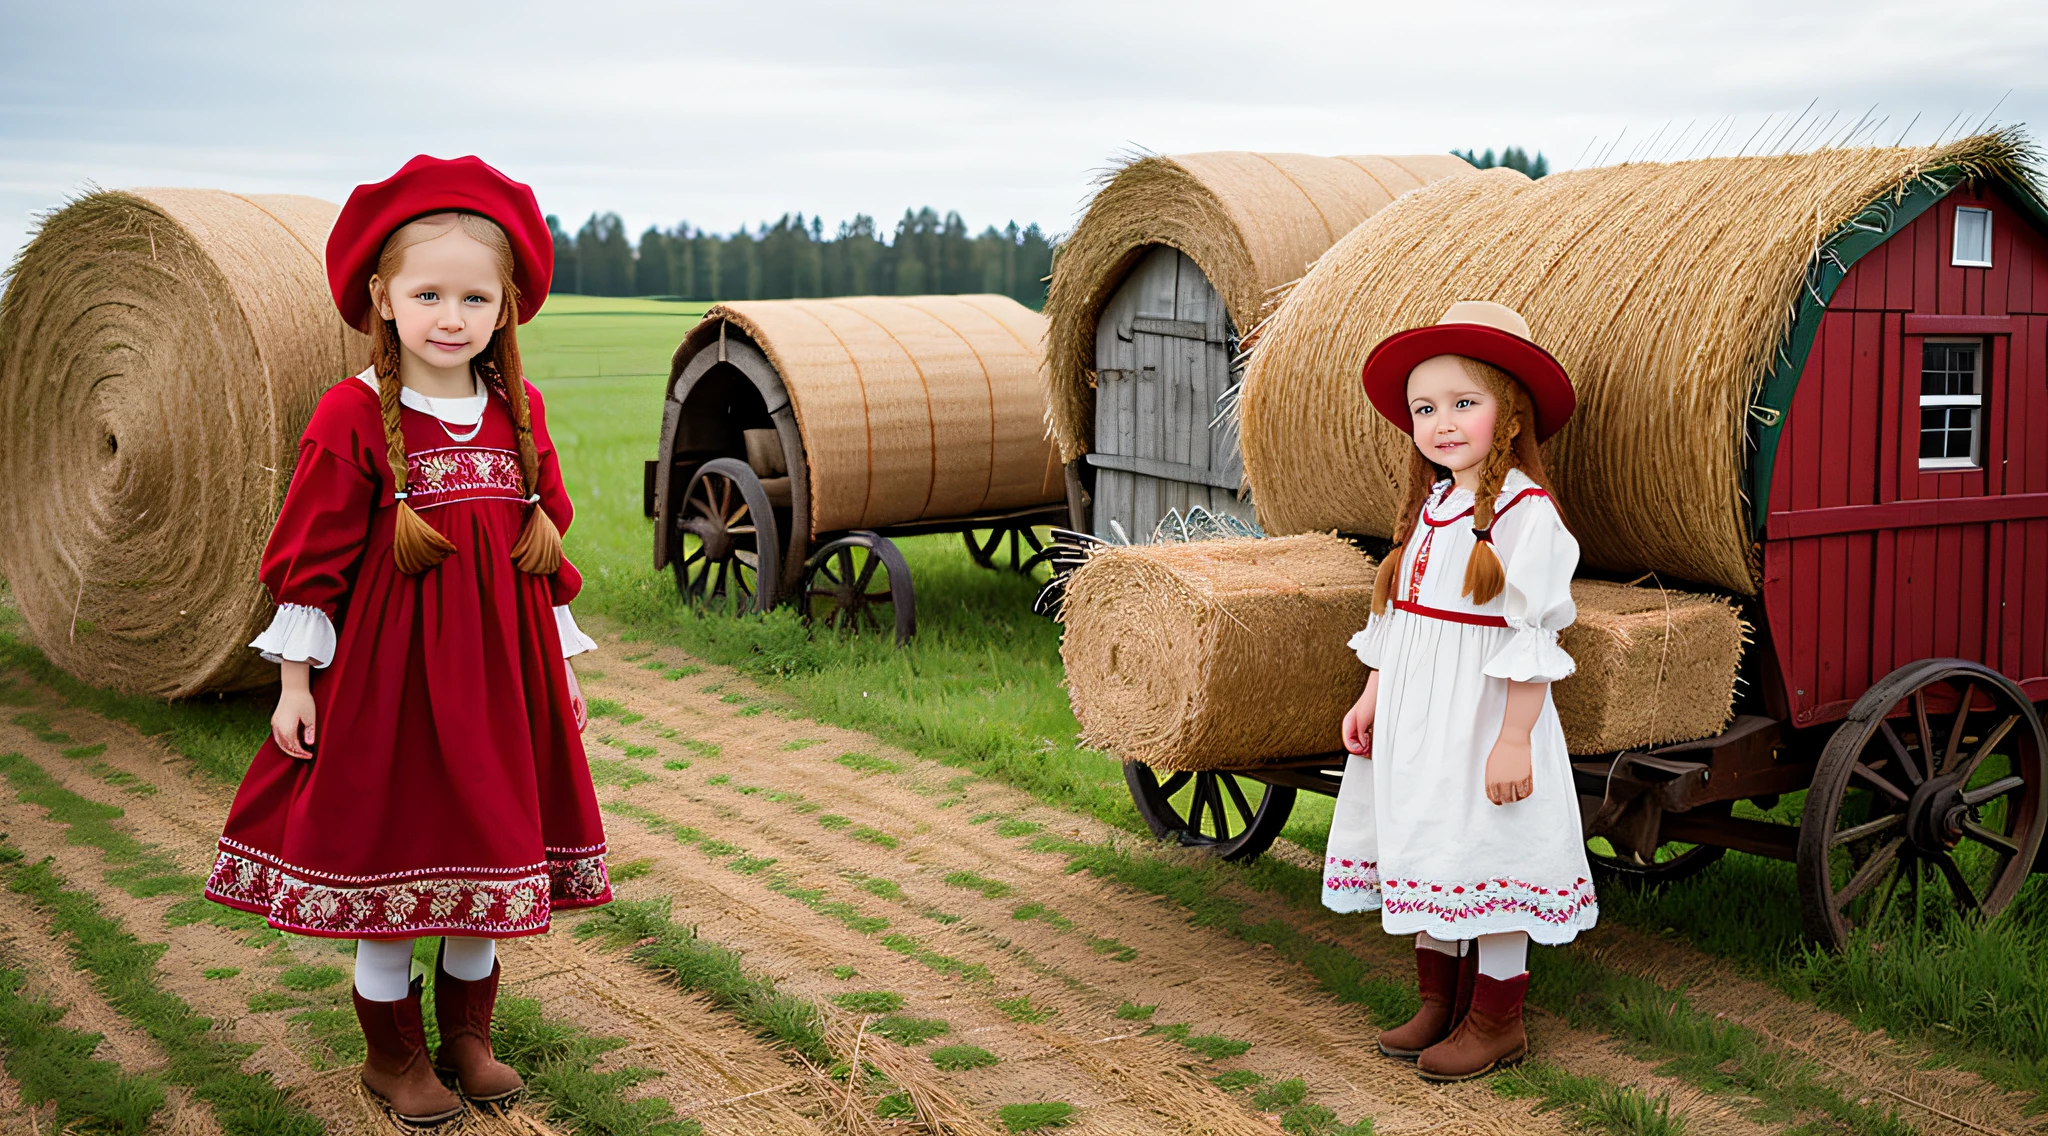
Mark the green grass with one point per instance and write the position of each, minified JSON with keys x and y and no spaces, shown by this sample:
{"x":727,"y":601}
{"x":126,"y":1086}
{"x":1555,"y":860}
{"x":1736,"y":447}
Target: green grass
{"x":1237,"y":1080}
{"x":869,"y":1001}
{"x":1020,"y":1009}
{"x":675,"y":952}
{"x":865,"y":763}
{"x":970,"y":972}
{"x":1136,"y":1012}
{"x":134,"y":867}
{"x":50,"y":1063}
{"x":558,"y":1061}
{"x":1618,"y":1110}
{"x":311,"y":977}
{"x":123,"y":970}
{"x":992,"y":889}
{"x":1035,"y":1116}
{"x":909,"y":1031}
{"x":960,"y":1058}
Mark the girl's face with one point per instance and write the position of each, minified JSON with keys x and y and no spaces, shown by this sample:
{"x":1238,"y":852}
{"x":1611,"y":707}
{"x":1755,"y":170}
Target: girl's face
{"x":1454,"y":413}
{"x":446,"y":299}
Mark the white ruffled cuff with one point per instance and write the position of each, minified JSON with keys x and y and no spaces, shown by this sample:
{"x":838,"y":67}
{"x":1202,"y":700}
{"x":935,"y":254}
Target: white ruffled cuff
{"x":297,"y":634}
{"x":574,"y":641}
{"x":1367,"y":642}
{"x":1531,"y":655}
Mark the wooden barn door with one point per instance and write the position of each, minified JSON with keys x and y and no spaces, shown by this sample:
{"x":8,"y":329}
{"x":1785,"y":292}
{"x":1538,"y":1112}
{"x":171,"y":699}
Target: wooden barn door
{"x":1162,"y":358}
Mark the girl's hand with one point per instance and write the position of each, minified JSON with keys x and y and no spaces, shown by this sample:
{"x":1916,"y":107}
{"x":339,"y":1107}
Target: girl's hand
{"x":1358,"y":720}
{"x":578,"y":708}
{"x":294,"y":714}
{"x":1508,"y":774}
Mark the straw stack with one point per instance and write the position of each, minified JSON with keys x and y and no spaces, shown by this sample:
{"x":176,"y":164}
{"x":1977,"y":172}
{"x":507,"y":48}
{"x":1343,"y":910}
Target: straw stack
{"x":1654,"y":667}
{"x":1233,"y":654}
{"x":160,"y":353}
{"x":1251,"y":222}
{"x":1217,"y":654}
{"x":909,"y":406}
{"x":1666,"y":290}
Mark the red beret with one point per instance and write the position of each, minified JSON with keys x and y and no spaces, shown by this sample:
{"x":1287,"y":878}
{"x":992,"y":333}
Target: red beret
{"x":436,"y":185}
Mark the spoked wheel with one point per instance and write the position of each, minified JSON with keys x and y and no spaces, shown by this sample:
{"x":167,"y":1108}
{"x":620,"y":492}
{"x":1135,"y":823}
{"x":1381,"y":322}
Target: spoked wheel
{"x":1930,"y":792}
{"x":1022,"y":554}
{"x":859,"y":583}
{"x":1671,"y":862}
{"x":729,"y":544}
{"x":1221,"y":815}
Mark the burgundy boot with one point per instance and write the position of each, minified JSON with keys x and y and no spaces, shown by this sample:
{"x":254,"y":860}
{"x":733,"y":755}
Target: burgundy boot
{"x":463,"y":1011}
{"x":397,"y":1071}
{"x":1436,"y":975}
{"x":1491,"y":1036}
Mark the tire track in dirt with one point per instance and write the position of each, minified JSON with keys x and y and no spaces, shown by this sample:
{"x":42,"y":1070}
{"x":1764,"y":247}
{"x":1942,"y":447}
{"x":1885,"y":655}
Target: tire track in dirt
{"x":1210,"y":981}
{"x":702,"y":1055}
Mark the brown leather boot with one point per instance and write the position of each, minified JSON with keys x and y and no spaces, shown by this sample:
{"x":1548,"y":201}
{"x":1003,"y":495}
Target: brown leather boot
{"x":1468,"y":976}
{"x":463,"y":1011}
{"x":1491,"y":1036}
{"x":397,"y":1071}
{"x":1436,"y":975}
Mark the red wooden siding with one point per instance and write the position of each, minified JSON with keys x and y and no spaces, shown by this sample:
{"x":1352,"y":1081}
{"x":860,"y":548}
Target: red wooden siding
{"x":1865,"y":568}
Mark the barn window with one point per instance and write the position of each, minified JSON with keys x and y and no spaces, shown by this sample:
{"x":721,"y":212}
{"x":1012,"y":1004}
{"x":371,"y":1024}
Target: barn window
{"x":1951,"y":403}
{"x":1973,"y":238}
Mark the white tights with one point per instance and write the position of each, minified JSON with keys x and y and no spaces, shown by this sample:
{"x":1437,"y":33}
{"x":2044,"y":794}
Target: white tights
{"x":384,"y":966}
{"x":1503,"y":956}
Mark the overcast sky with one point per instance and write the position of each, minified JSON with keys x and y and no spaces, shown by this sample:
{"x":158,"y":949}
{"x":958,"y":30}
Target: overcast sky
{"x":734,"y":113}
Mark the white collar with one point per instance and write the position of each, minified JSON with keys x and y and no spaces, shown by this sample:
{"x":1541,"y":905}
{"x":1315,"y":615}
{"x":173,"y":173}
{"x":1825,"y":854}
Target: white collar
{"x":454,"y":411}
{"x":1445,"y":495}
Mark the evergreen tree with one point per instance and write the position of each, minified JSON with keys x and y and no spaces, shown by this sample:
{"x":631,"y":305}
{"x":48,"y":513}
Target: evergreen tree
{"x":565,"y":258}
{"x":604,"y":257}
{"x":1514,"y":158}
{"x":651,"y":264}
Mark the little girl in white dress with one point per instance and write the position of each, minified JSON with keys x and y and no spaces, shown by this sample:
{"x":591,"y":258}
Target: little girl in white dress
{"x":1457,"y":819}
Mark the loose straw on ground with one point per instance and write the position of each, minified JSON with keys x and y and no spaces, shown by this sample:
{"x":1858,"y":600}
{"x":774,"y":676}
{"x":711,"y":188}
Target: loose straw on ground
{"x":160,"y":353}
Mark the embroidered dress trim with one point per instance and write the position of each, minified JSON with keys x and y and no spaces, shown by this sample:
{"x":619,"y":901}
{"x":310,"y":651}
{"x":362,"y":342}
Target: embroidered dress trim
{"x":513,"y":902}
{"x":1472,"y":903}
{"x":1340,"y":874}
{"x":462,"y":473}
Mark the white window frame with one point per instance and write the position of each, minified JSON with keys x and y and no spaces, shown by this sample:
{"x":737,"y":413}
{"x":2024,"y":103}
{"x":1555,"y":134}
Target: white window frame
{"x":1932,"y":401}
{"x":1956,"y":241}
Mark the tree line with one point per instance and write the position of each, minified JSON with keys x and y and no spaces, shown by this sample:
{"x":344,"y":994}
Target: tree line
{"x":794,"y":257}
{"x":1514,"y":158}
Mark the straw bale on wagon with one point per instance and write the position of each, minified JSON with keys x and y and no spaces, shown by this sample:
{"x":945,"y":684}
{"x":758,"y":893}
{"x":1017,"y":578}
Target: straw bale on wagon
{"x":160,"y":353}
{"x":1231,"y":654}
{"x":1666,"y":290}
{"x":1251,"y":222}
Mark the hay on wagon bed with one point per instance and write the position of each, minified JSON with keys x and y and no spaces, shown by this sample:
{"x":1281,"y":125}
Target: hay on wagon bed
{"x":160,"y":353}
{"x":1252,"y":222}
{"x":910,"y":407}
{"x":1654,"y":667}
{"x":1216,"y":654}
{"x":1232,"y":654}
{"x":1666,"y":290}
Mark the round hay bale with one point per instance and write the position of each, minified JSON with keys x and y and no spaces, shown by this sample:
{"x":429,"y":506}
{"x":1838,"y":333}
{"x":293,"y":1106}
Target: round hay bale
{"x":1217,"y":654}
{"x":1667,"y":291}
{"x":160,"y":352}
{"x":1251,"y":222}
{"x":909,"y":407}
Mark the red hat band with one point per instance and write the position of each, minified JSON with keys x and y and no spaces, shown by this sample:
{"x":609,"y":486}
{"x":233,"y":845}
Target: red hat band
{"x":424,"y":186}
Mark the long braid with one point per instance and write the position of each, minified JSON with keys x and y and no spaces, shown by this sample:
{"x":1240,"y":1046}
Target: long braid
{"x":539,"y":548}
{"x":415,"y":545}
{"x":1484,"y":576}
{"x":1422,"y":473}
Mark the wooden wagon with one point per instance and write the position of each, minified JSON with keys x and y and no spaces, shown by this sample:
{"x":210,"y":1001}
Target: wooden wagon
{"x":800,"y":436}
{"x":1174,"y":259}
{"x":1875,"y":464}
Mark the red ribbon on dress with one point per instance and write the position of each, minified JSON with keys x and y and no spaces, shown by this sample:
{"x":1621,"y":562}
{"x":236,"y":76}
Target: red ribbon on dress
{"x":1473,"y":618}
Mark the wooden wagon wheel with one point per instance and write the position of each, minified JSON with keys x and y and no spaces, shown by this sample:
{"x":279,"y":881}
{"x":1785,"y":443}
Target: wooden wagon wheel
{"x":1931,"y":789}
{"x":1671,"y":862}
{"x":1209,"y":822}
{"x":1025,"y":553}
{"x":729,"y":549}
{"x":859,"y":583}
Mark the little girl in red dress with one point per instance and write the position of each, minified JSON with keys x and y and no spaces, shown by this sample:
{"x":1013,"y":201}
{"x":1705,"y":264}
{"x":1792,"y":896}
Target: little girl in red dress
{"x":425,"y":774}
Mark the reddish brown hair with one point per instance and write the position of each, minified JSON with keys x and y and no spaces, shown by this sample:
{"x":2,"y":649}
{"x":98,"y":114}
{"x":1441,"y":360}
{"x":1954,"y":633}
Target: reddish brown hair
{"x":1514,"y":447}
{"x":417,"y":545}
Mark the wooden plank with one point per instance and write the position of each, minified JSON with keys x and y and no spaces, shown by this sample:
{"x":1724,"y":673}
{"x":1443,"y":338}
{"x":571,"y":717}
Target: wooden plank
{"x":1997,"y":280}
{"x":2034,"y":613}
{"x":1145,"y":508}
{"x":1884,"y":603}
{"x":1145,"y":433}
{"x":1924,"y":586}
{"x":1959,"y":324}
{"x":1927,"y":244}
{"x":2007,"y":586}
{"x":1193,"y":296}
{"x":1898,"y":269}
{"x":1837,"y":398}
{"x":1890,"y":408}
{"x":1829,"y":618}
{"x":1157,"y":282}
{"x":1803,"y":629}
{"x":1865,"y":395}
{"x":1171,"y":328}
{"x":1997,"y":386}
{"x":1162,"y":470}
{"x":1949,"y":278}
{"x":1927,"y":513}
{"x":1969,"y":617}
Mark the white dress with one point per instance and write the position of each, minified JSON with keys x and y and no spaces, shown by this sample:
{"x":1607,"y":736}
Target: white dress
{"x":1414,"y":836}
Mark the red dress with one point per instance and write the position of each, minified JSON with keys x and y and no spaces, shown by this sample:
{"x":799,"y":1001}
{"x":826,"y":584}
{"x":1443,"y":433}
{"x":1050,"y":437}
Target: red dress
{"x":448,"y":793}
